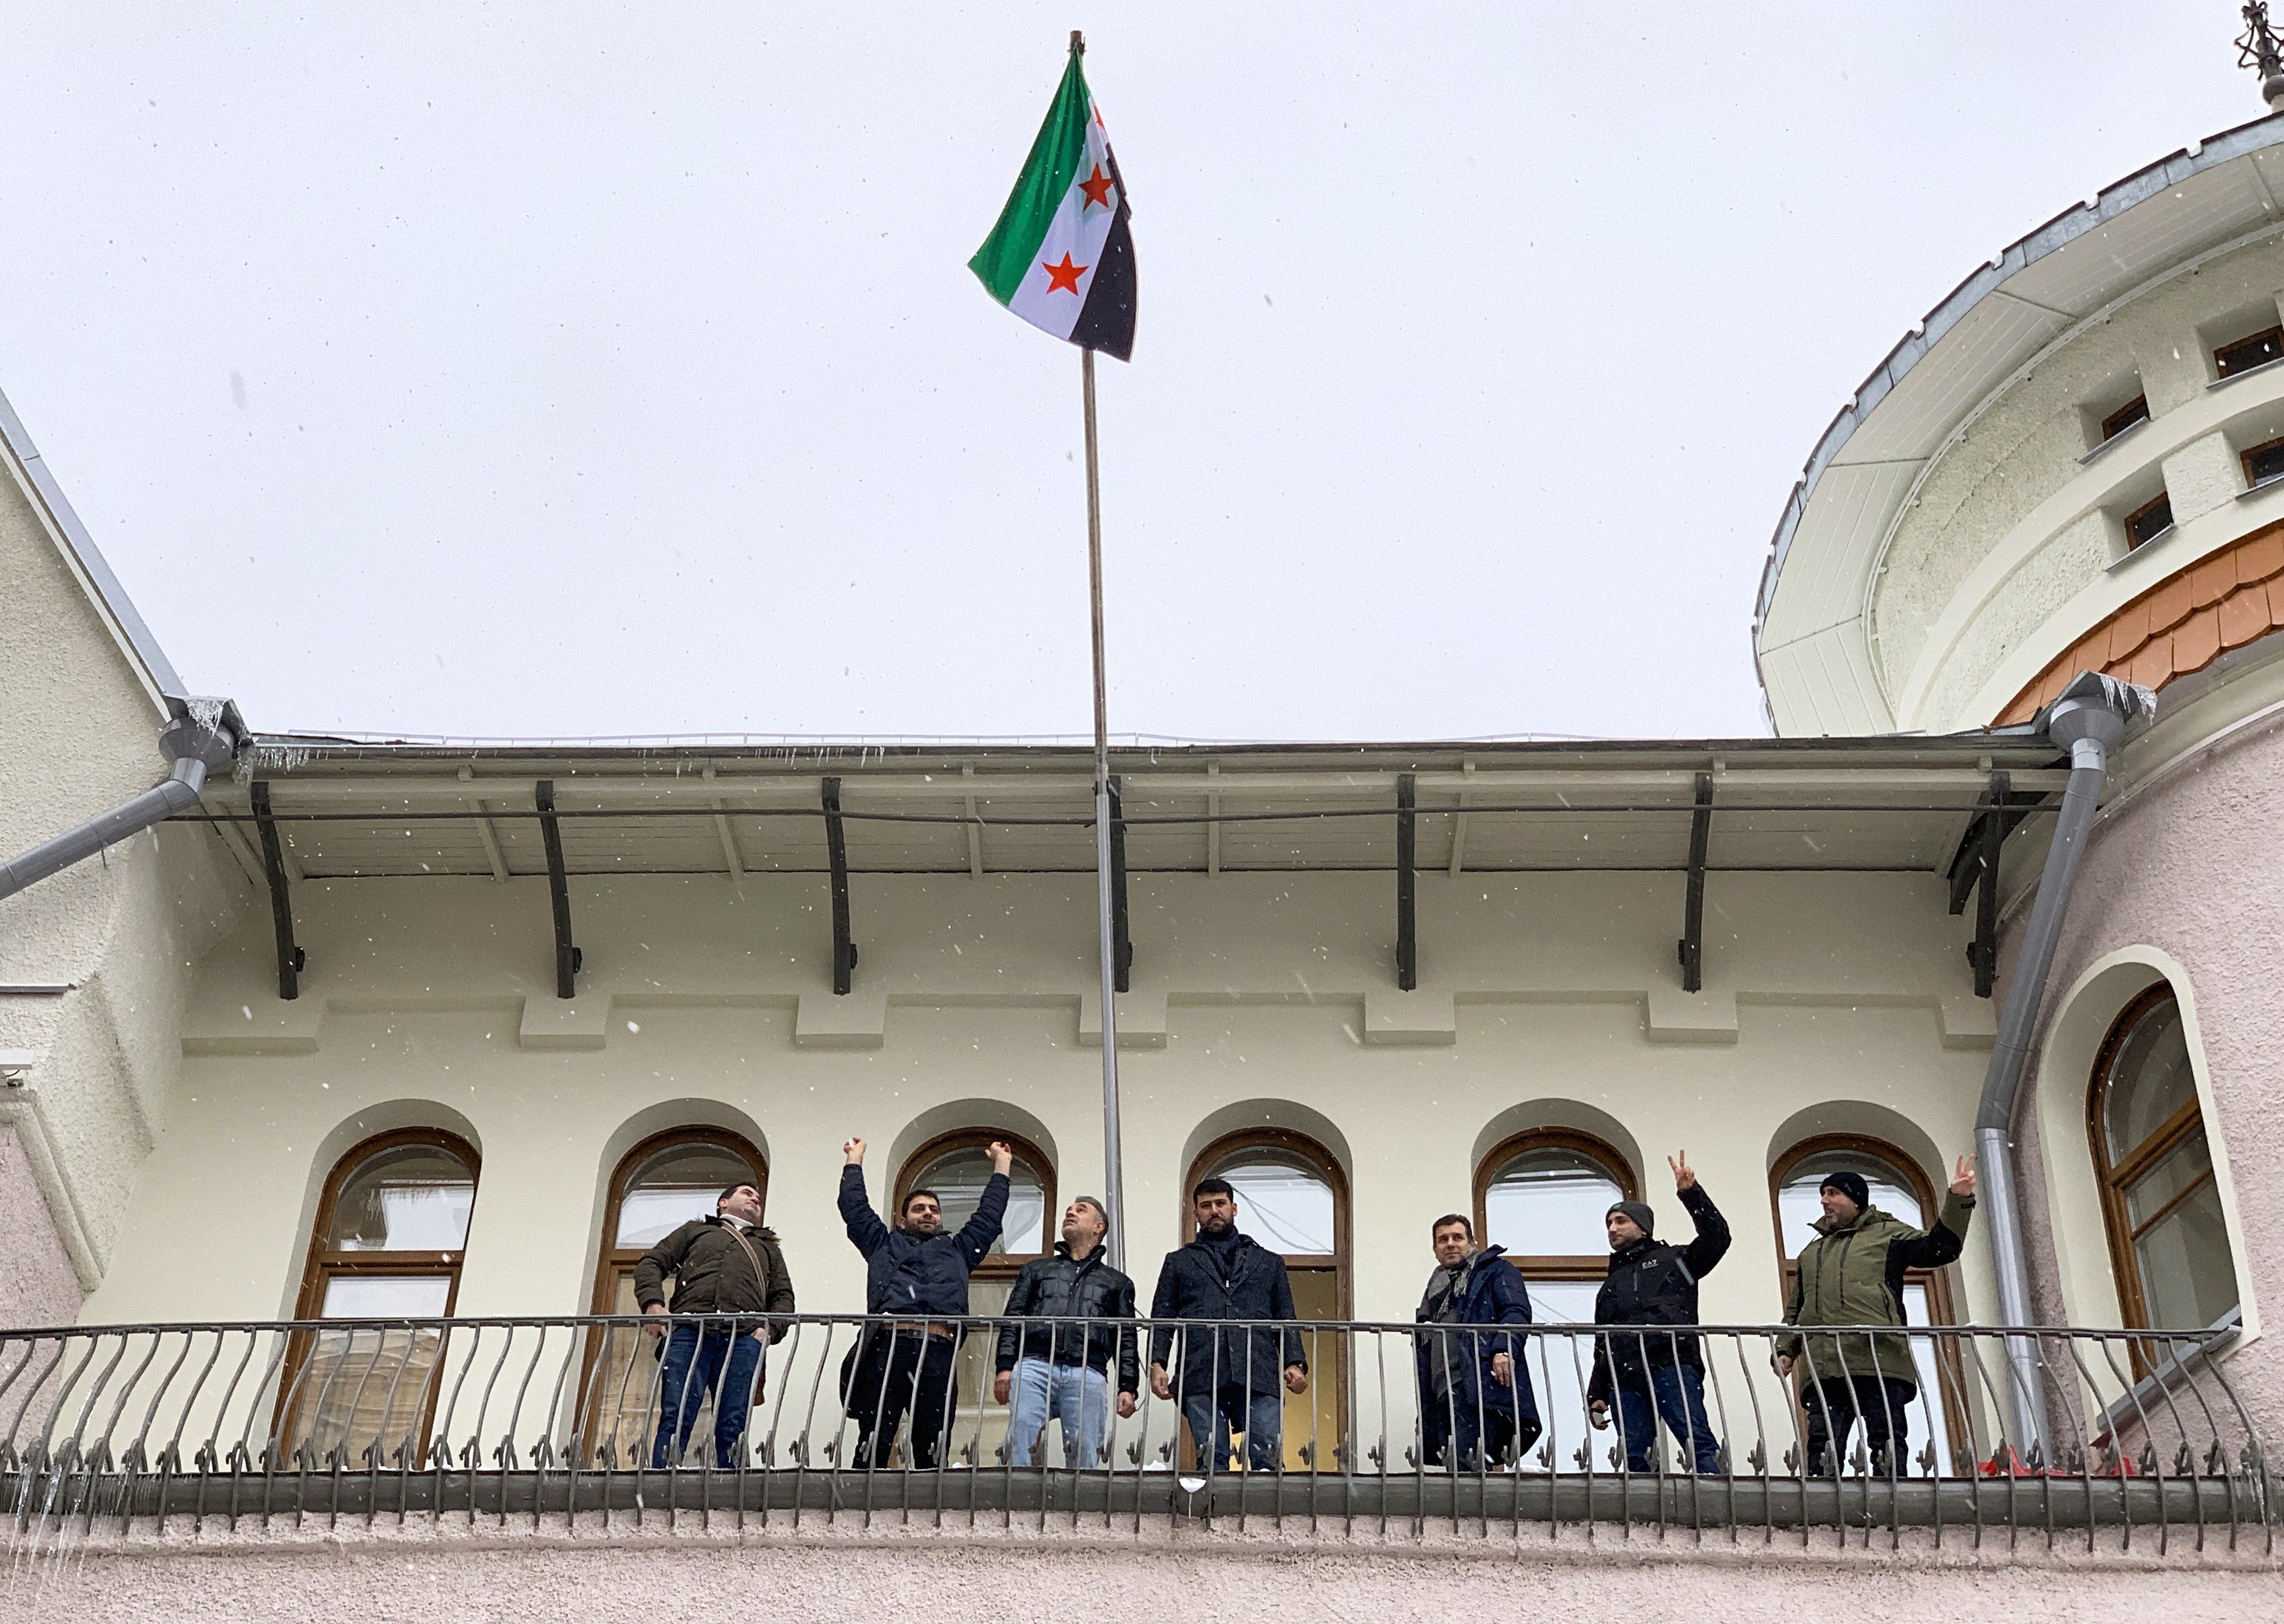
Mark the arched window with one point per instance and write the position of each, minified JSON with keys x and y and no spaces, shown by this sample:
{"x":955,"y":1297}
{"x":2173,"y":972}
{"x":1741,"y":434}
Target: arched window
{"x":1900,"y":1188}
{"x":2168,"y":1236}
{"x":957,"y":1166}
{"x":1293,"y":1198}
{"x":392,"y":1227}
{"x":658,"y":1186}
{"x":1543,"y":1196}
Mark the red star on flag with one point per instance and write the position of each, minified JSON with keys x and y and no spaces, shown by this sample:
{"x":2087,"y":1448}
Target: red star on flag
{"x":1096,"y":188}
{"x":1063,"y":277}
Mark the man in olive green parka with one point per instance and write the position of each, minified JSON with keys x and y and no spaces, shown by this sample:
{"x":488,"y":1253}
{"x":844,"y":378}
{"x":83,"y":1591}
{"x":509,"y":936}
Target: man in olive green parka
{"x":1853,"y":1274}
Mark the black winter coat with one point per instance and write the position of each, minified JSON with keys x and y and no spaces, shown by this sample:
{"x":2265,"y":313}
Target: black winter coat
{"x":1063,"y":1289}
{"x":1653,"y":1282}
{"x":911,"y":1274}
{"x":713,"y":1274}
{"x":1492,"y":1292}
{"x":1191,"y":1286}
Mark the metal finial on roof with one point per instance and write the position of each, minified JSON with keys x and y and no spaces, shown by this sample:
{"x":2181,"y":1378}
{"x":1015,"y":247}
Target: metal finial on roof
{"x":2257,"y":47}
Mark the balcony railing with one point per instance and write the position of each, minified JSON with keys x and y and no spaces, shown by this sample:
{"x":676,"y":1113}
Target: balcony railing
{"x":129,"y":1429}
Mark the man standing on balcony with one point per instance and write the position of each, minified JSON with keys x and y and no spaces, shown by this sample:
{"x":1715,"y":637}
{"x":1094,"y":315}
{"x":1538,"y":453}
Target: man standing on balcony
{"x":725,"y":1264}
{"x":1853,"y":1274}
{"x":918,"y":1272}
{"x":1656,"y":1374}
{"x":1059,"y":1365}
{"x":1230,"y":1378}
{"x":1475,"y":1386}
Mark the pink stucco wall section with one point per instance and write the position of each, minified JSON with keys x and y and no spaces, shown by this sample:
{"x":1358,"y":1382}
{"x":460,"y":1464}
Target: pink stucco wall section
{"x":958,"y":1574}
{"x":37,"y":1286}
{"x":2195,"y":867}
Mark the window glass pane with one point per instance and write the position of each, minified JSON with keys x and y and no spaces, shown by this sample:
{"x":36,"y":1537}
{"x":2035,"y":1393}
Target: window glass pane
{"x":365,"y":1392}
{"x":2148,"y":1082}
{"x":1550,"y":1202}
{"x":2187,"y":1164}
{"x":958,"y":1177}
{"x":1799,"y":1205}
{"x":2187,"y":1276}
{"x":1559,"y":1368}
{"x":412,"y":1199}
{"x":1282,"y":1200}
{"x":386,"y":1296}
{"x":674,"y":1186}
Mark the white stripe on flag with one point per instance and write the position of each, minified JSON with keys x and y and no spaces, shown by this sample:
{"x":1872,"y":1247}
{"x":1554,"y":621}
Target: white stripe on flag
{"x":1078,"y":230}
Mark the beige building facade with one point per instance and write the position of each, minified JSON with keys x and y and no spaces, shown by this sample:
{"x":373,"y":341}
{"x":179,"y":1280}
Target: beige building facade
{"x":552,"y":966}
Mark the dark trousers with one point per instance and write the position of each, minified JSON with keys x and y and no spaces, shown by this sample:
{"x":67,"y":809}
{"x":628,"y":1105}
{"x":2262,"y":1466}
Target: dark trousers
{"x":1214,"y":1417}
{"x":1477,"y":1440}
{"x":910,"y":1369}
{"x":1833,"y":1404}
{"x":699,"y":1363}
{"x":1674,"y":1394}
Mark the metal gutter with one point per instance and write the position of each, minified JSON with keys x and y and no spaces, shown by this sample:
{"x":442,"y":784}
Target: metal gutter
{"x":87,"y":558}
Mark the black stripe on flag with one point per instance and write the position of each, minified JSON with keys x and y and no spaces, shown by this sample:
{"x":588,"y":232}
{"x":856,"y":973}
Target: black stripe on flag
{"x":1106,"y":323}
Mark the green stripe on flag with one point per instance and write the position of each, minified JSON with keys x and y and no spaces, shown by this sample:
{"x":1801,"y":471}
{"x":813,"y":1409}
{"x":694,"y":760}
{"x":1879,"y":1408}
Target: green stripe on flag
{"x":1005,"y":257}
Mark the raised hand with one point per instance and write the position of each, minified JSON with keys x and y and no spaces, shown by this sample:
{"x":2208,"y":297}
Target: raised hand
{"x":1003,"y":1156}
{"x":1962,"y":1177}
{"x":853,"y":1149}
{"x":1685,"y":1176}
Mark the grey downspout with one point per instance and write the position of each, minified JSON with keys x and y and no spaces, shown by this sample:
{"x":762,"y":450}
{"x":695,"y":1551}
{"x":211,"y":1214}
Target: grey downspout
{"x":2089,"y":719}
{"x":204,"y":735}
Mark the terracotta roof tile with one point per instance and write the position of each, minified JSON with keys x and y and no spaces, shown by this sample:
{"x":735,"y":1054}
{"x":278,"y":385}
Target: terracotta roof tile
{"x":2275,"y":591}
{"x":2209,"y":582}
{"x":2153,"y":664}
{"x":2261,"y":557}
{"x":2128,"y":629}
{"x":2196,"y":641}
{"x":2170,"y":604}
{"x":2243,"y":616}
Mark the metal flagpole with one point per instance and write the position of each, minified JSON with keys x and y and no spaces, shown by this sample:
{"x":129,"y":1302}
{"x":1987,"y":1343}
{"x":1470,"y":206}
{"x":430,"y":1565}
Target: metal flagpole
{"x":1113,"y":1192}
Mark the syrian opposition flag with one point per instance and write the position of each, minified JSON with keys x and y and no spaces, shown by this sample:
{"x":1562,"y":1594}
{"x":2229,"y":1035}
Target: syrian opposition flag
{"x":1061,"y":256}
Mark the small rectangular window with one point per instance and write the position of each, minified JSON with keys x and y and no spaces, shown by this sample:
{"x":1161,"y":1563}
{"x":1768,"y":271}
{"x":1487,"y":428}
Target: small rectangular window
{"x":2135,"y":410}
{"x":2263,"y":464}
{"x":2144,"y":525}
{"x":2246,"y":353}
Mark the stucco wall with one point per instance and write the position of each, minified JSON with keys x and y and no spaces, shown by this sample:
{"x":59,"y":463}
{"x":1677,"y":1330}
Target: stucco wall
{"x":96,"y":1064}
{"x":2185,"y":880}
{"x":2003,"y":555}
{"x":688,"y":1574}
{"x":1830,"y":999}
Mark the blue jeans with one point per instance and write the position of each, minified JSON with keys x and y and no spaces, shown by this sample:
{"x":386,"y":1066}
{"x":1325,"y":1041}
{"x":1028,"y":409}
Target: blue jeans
{"x":698,"y":1364}
{"x":1261,"y":1414}
{"x":1075,"y":1394}
{"x":1677,"y":1391}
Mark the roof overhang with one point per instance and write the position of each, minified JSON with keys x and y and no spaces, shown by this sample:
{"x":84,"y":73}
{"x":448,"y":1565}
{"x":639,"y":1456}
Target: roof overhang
{"x":348,"y":810}
{"x":2042,"y":289}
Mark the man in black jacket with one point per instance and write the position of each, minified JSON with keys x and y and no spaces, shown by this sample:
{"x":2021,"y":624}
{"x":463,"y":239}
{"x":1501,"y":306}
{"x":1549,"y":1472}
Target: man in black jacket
{"x":914,"y":1269}
{"x":1060,"y":1364}
{"x":1655,"y":1372}
{"x":725,"y":1264}
{"x":1230,"y":1378}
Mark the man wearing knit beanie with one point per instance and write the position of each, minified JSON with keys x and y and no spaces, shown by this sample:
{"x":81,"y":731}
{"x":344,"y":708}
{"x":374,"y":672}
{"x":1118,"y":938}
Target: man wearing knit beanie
{"x":1853,"y":1274}
{"x":1654,"y":1373}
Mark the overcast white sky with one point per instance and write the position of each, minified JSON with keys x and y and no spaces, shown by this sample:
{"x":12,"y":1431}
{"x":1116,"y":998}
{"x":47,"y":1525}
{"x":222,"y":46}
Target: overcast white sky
{"x":548,"y":370}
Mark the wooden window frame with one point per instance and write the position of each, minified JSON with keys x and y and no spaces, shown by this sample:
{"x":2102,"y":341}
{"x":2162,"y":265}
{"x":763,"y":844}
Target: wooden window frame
{"x":2251,"y":481}
{"x":1581,"y":1266}
{"x":611,"y":1257}
{"x":2111,"y":428}
{"x":321,"y":1264}
{"x":1000,"y":1265}
{"x":2116,"y":1178}
{"x":1318,"y":1157}
{"x":2164,"y":499}
{"x":2272,"y":335}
